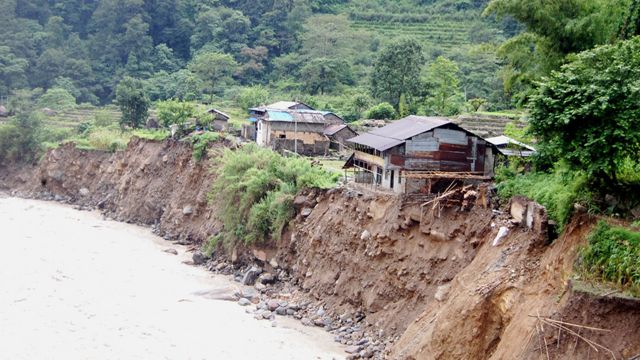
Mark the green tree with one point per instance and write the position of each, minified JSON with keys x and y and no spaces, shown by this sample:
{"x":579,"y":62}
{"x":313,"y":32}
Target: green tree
{"x":57,"y":99}
{"x":214,"y":70}
{"x":133,"y":102}
{"x":396,"y":72}
{"x":382,"y":111}
{"x":588,"y":113}
{"x":12,"y":70}
{"x":253,"y":96}
{"x":20,"y":139}
{"x":175,"y":112}
{"x":553,"y":29}
{"x":444,"y":97}
{"x":325,"y":75}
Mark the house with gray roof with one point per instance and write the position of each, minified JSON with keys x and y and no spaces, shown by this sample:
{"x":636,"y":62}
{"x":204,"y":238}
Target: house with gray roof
{"x":416,"y":154}
{"x":297,"y":130}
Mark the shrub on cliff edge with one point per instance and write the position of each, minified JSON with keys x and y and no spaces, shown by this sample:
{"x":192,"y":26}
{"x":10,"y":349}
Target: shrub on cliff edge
{"x":254,"y":192}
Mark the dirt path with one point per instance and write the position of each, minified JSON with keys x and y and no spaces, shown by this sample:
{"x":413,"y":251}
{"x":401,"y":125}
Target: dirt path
{"x":74,"y":286}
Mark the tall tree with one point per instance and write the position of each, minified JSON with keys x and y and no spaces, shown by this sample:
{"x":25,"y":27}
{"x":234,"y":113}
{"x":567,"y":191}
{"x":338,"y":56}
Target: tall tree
{"x":553,"y":29}
{"x":588,"y":113}
{"x":133,"y":102}
{"x":396,"y":72}
{"x":214,"y":70}
{"x":445,"y":97}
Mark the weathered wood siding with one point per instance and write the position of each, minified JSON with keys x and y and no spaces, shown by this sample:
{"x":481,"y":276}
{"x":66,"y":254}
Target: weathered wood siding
{"x":444,"y":149}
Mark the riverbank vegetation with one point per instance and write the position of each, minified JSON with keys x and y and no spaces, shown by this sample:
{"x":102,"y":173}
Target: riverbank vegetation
{"x":254,"y":192}
{"x":612,"y":257}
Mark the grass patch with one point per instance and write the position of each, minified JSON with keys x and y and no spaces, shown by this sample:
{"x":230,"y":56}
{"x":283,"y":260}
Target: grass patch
{"x":612,"y":256}
{"x":201,"y":143}
{"x":556,"y":191}
{"x":255,"y":189}
{"x":150,"y":134}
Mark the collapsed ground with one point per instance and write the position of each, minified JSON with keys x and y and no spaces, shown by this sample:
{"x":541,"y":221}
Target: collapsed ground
{"x":428,"y":280}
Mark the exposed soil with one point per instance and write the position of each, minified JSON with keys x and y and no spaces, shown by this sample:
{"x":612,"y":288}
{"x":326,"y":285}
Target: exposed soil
{"x":427,"y":278}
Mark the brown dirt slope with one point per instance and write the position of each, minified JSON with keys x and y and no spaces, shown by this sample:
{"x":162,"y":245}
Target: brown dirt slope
{"x":367,"y":254}
{"x":429,"y":276}
{"x":151,"y":183}
{"x":498,"y":300}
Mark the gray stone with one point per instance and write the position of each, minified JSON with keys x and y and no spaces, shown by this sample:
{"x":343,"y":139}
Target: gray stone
{"x":272,"y":305}
{"x":281,"y":310}
{"x":274,"y":264}
{"x":366,"y":235}
{"x":353,"y":349}
{"x":171,"y":251}
{"x":260,"y":287}
{"x":290,"y":312}
{"x":244,"y":302}
{"x":198,"y":258}
{"x":266,"y":278}
{"x":306,"y":321}
{"x":250,"y":277}
{"x":306,"y":212}
{"x":187,"y":210}
{"x":84,"y":192}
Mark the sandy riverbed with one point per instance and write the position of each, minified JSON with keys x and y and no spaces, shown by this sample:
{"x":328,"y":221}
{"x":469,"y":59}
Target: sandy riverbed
{"x":74,"y":286}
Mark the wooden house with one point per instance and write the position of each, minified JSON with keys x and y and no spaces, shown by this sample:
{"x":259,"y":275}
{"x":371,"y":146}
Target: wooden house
{"x":338,"y":135}
{"x":300,"y":131}
{"x":220,"y":120}
{"x":413,"y":154}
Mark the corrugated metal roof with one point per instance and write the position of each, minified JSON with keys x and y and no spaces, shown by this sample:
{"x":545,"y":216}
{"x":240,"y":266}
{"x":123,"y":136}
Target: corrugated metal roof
{"x":398,"y":131}
{"x":286,"y":105}
{"x":410,"y":126}
{"x":380,"y":143}
{"x":219,"y":112}
{"x":308,"y":117}
{"x":332,"y":129}
{"x":503,"y":140}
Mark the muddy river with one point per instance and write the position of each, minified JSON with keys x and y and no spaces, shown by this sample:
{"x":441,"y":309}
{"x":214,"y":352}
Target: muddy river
{"x":76,"y":286}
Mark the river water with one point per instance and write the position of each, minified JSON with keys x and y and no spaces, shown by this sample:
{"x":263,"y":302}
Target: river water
{"x":75,"y":286}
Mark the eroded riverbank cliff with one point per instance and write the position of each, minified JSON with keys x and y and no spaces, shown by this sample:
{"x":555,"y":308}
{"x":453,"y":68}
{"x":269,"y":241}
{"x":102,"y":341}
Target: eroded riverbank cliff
{"x":428,"y":279}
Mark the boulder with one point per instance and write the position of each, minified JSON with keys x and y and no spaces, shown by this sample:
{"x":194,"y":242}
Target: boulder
{"x":442,"y":293}
{"x":198,"y":258}
{"x":260,"y":255}
{"x":3,"y":111}
{"x":244,"y":302}
{"x":306,"y":212}
{"x":84,"y":192}
{"x":250,"y":277}
{"x":187,"y":210}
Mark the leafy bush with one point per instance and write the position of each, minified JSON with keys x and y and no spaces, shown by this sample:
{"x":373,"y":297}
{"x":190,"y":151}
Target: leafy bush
{"x":57,"y":99}
{"x":382,"y":111}
{"x":174,"y":112}
{"x":201,"y":143}
{"x":556,"y":191}
{"x":253,"y":96}
{"x":612,"y":255}
{"x":255,"y":189}
{"x":588,"y":113}
{"x":20,"y":139}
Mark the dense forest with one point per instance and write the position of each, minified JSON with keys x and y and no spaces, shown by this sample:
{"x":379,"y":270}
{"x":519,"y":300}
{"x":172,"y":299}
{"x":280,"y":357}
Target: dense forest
{"x":201,"y":50}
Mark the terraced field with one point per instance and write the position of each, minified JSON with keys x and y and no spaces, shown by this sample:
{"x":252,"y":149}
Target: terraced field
{"x":446,"y":35}
{"x":485,"y":125}
{"x":69,"y":119}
